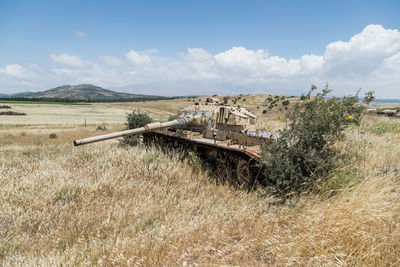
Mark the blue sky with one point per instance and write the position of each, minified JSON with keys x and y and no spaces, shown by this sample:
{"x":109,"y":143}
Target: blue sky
{"x":201,"y":47}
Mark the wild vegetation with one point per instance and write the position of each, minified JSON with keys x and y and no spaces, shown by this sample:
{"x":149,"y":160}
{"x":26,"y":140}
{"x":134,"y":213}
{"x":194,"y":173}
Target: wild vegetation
{"x":107,"y":204}
{"x":134,"y":120}
{"x":305,"y":151}
{"x":11,"y":113}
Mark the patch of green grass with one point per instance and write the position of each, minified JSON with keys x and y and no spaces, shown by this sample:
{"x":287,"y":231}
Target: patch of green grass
{"x":146,"y":222}
{"x":338,"y":181}
{"x":85,"y":156}
{"x":195,"y":161}
{"x":382,"y":128}
{"x":66,"y":194}
{"x":6,"y":248}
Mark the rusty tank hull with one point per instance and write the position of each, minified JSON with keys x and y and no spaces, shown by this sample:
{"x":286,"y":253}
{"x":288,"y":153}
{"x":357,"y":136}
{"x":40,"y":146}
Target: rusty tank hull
{"x":228,"y":161}
{"x":217,"y":133}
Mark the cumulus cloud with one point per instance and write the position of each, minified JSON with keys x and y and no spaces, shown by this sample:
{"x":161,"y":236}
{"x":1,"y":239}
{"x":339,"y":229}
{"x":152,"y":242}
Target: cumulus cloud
{"x":66,"y":59}
{"x":240,"y":57}
{"x":363,"y":53}
{"x":259,"y":64}
{"x":370,"y":59}
{"x":16,"y":71}
{"x":138,"y":59}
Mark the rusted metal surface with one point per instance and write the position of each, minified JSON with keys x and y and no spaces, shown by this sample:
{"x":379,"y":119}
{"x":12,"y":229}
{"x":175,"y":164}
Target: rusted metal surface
{"x":251,"y":151}
{"x":239,"y":166}
{"x":218,"y":133}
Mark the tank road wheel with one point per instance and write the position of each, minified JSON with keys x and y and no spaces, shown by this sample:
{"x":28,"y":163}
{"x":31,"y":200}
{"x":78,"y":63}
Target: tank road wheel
{"x":243,"y":173}
{"x":219,"y":163}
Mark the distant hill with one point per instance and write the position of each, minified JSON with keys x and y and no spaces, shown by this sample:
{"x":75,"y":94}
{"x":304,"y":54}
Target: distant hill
{"x":82,"y":92}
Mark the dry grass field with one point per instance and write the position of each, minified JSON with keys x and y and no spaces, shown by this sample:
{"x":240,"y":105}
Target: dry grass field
{"x":108,"y":205}
{"x":112,"y":113}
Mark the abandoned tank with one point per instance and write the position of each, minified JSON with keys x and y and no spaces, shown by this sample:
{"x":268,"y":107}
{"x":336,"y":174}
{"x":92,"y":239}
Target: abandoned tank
{"x":221,"y":135}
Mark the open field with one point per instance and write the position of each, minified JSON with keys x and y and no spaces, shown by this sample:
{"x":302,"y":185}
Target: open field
{"x":52,"y":114}
{"x":40,"y":102}
{"x":115,"y":113}
{"x":104,"y":204}
{"x":95,"y":113}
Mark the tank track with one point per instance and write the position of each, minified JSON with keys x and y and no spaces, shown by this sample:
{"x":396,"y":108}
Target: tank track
{"x":227,"y":165}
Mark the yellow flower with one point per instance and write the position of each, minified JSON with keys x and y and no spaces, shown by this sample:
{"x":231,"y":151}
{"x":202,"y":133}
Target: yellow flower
{"x":349,"y":117}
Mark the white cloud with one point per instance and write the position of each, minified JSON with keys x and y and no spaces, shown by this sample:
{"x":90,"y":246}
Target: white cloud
{"x":241,"y":65}
{"x":139,"y":59}
{"x":370,"y":59}
{"x":240,"y":57}
{"x":392,"y":64}
{"x":111,"y":61}
{"x":69,"y":60}
{"x":16,"y":71}
{"x":363,"y":53}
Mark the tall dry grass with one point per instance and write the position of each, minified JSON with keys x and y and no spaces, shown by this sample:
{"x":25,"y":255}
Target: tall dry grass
{"x":106,"y":205}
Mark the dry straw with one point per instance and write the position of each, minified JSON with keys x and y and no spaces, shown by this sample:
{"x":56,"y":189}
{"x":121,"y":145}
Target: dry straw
{"x":106,"y":205}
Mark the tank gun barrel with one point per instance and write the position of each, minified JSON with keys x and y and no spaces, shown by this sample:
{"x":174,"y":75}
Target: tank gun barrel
{"x":148,"y":127}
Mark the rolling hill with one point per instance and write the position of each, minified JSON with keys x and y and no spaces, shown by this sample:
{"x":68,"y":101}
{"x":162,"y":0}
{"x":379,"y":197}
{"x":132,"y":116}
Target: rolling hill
{"x":82,"y":92}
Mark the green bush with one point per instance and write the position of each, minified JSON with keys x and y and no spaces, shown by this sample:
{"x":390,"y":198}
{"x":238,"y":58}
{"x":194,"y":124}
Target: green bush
{"x":101,"y":128}
{"x":172,"y":117}
{"x":305,"y":151}
{"x":52,"y":136}
{"x":134,"y":120}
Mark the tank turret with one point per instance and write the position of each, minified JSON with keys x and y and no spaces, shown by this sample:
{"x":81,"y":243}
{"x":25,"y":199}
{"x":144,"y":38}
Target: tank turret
{"x":212,"y":115}
{"x":218,"y":133}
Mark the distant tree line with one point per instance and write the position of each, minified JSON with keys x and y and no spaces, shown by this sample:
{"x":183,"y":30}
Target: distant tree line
{"x":44,"y":99}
